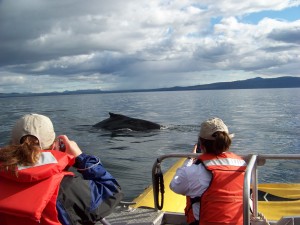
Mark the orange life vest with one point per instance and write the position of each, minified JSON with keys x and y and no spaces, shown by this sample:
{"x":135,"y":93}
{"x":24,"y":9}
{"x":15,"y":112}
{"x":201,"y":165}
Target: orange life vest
{"x":222,"y":202}
{"x":30,"y":197}
{"x":188,"y":210}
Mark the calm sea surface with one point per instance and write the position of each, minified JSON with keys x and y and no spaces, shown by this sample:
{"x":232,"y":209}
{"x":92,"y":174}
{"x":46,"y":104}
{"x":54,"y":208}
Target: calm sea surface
{"x":263,"y":120}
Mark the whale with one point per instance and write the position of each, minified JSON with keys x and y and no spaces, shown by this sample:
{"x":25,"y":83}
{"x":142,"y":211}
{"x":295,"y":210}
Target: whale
{"x":122,"y":122}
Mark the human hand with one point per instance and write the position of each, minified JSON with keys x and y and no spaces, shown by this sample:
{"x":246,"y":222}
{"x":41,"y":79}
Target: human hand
{"x":71,"y":147}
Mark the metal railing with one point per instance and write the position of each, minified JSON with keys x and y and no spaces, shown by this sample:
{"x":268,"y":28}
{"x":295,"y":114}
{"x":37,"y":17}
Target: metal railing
{"x":250,"y":179}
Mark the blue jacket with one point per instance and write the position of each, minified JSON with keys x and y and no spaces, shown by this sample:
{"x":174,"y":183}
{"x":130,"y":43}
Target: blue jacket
{"x":88,"y":197}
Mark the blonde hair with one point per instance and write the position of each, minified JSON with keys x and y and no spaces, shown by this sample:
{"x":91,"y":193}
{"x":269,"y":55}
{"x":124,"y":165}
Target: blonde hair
{"x":26,"y":154}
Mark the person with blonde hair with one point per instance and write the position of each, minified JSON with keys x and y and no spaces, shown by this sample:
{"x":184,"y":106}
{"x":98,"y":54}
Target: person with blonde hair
{"x":214,"y":182}
{"x":36,"y":186}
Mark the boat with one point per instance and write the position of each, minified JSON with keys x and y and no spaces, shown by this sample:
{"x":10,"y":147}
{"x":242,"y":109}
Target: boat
{"x":264,"y":204}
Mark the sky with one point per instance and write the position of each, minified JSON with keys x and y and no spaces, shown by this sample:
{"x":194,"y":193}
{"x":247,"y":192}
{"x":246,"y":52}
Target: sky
{"x":60,"y":45}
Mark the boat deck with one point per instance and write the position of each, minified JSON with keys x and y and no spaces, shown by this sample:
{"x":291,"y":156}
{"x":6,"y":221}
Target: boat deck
{"x":144,"y":216}
{"x":148,"y":216}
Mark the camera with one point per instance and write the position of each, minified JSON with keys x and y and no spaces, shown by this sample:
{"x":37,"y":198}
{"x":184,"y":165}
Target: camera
{"x":61,"y":145}
{"x":198,"y":150}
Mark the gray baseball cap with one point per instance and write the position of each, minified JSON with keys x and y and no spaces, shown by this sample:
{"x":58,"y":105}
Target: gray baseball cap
{"x":36,"y":125}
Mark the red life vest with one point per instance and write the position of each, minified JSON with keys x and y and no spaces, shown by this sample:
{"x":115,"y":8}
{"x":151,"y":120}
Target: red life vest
{"x":222,"y":202}
{"x":30,"y":197}
{"x":188,"y":210}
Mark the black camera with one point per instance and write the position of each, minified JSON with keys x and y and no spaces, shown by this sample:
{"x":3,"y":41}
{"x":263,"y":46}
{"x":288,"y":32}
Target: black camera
{"x":198,"y":149}
{"x":61,"y":145}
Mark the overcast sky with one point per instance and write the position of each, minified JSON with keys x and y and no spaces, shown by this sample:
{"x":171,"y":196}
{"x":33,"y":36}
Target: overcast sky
{"x":57,"y":45}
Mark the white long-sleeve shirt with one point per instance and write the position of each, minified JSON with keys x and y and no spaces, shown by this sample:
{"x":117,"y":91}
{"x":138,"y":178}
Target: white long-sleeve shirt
{"x":191,"y":180}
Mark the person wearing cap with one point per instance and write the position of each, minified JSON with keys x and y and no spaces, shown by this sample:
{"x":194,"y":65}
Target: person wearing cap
{"x":214,"y":182}
{"x":36,"y":186}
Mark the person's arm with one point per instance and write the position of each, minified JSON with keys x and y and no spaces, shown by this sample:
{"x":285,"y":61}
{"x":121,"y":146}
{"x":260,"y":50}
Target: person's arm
{"x":92,"y":169}
{"x":89,"y":166}
{"x":82,"y":201}
{"x":179,"y":183}
{"x":91,"y":196}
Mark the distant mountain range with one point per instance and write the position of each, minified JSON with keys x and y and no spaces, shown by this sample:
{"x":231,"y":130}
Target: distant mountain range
{"x":255,"y":83}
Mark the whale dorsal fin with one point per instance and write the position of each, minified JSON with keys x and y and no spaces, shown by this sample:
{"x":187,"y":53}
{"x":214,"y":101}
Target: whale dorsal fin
{"x":112,"y":115}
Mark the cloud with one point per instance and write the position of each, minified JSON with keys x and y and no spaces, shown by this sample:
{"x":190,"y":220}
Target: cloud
{"x":133,"y":44}
{"x":288,"y":34}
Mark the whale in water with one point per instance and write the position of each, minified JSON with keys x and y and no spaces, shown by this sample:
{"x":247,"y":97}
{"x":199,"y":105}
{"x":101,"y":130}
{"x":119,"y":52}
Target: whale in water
{"x":119,"y":122}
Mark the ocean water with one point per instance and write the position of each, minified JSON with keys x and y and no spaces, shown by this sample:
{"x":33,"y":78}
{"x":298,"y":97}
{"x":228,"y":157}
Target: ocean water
{"x":263,"y":120}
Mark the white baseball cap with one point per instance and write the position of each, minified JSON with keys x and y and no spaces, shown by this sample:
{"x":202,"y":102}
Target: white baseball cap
{"x":36,"y":125}
{"x":209,"y":127}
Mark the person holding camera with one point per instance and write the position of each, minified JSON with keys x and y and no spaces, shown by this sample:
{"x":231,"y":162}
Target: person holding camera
{"x":36,"y":186}
{"x":214,"y":182}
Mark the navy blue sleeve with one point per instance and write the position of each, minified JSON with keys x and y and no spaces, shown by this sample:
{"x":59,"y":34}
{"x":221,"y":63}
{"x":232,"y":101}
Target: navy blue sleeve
{"x":102,"y":184}
{"x":89,"y":196}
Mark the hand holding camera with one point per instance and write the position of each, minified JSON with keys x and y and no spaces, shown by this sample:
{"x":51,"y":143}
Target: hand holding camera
{"x":198,"y":149}
{"x":68,"y":146}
